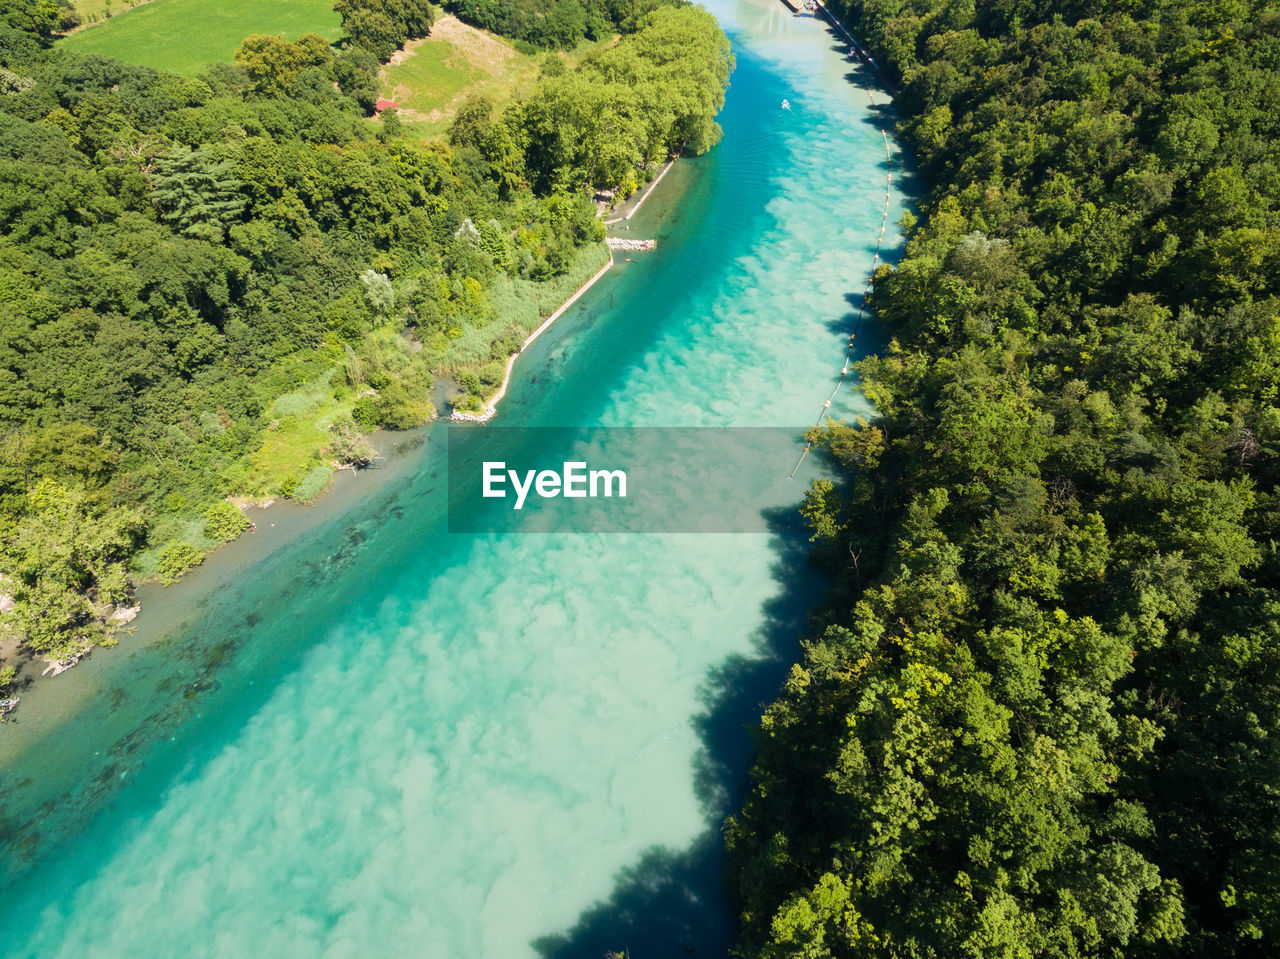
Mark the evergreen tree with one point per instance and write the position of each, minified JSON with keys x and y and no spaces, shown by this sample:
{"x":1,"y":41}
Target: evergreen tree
{"x":198,"y":191}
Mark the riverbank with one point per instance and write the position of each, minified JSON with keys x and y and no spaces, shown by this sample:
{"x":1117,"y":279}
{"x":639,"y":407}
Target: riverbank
{"x":851,"y":350}
{"x":490,"y":406}
{"x":630,"y":208}
{"x":857,"y":47}
{"x":72,"y":742}
{"x":625,"y":210}
{"x":277,"y":522}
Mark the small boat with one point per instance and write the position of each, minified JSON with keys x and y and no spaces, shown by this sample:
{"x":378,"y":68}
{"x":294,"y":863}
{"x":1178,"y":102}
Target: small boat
{"x":786,"y":104}
{"x":7,"y":705}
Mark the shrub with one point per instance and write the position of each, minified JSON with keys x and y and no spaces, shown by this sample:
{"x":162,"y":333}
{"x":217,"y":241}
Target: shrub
{"x":176,"y":559}
{"x":403,"y":408}
{"x":223,"y":521}
{"x":491,"y":374}
{"x":508,"y":341}
{"x":366,"y":413}
{"x":377,"y":288}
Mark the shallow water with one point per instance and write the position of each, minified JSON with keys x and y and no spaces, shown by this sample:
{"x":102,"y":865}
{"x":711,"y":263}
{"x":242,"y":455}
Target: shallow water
{"x":387,"y":740}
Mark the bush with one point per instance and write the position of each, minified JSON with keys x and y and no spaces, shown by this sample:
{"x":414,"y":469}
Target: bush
{"x":176,"y":559}
{"x":367,"y":414}
{"x":492,"y":374}
{"x":506,"y":342}
{"x":403,"y":408}
{"x":223,"y":521}
{"x":377,"y":288}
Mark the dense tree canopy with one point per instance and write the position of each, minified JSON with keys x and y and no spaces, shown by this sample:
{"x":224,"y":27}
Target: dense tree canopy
{"x":1041,"y":716}
{"x":382,"y":26}
{"x":625,"y":108}
{"x":42,"y":19}
{"x":556,"y":23}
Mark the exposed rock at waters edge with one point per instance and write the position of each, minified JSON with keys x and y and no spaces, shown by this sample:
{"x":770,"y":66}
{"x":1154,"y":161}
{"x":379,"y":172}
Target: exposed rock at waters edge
{"x":622,"y":243}
{"x":123,"y":615}
{"x":57,"y":667}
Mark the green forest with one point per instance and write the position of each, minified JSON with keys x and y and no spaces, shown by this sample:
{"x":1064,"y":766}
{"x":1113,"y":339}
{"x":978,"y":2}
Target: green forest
{"x":1041,"y":714}
{"x":553,"y":23}
{"x":213,"y":287}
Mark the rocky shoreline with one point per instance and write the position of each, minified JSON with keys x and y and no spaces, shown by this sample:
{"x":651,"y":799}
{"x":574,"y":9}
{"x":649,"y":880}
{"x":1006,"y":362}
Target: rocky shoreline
{"x":622,"y":243}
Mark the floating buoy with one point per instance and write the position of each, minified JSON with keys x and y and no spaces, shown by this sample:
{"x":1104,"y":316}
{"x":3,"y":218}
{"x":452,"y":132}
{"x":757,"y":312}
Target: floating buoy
{"x":884,"y":220}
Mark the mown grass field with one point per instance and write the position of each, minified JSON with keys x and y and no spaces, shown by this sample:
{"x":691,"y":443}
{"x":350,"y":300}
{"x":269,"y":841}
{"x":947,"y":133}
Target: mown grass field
{"x":431,"y":78}
{"x":186,"y":35}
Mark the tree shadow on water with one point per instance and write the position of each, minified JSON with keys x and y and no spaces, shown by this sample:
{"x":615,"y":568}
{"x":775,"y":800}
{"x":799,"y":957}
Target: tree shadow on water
{"x":671,"y":902}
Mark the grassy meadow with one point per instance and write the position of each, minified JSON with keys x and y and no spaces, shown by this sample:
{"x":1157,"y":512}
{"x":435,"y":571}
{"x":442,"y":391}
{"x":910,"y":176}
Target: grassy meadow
{"x":186,"y":35}
{"x":431,"y":78}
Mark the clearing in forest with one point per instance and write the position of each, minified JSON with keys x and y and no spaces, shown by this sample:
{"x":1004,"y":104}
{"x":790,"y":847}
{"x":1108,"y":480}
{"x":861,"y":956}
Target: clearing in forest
{"x":431,"y":78}
{"x":185,"y":36}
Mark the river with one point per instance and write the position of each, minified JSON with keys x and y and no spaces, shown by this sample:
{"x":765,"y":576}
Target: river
{"x":382,"y":739}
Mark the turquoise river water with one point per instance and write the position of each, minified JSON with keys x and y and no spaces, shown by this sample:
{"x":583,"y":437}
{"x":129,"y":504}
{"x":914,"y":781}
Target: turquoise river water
{"x":384,"y":740}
